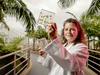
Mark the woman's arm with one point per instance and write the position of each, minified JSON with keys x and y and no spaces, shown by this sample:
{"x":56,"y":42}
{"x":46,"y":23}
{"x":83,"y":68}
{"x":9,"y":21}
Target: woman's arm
{"x":65,"y":59}
{"x":45,"y":60}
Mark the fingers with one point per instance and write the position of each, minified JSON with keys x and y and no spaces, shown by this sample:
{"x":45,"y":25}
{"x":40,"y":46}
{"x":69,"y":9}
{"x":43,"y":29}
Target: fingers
{"x":52,"y":27}
{"x":41,"y":52}
{"x":52,"y":30}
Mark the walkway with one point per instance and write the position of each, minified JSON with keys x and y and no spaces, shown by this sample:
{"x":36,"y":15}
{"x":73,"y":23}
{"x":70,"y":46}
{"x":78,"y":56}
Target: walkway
{"x":38,"y":69}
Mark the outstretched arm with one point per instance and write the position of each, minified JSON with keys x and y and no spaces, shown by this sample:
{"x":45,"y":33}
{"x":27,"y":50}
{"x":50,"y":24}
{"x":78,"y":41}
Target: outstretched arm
{"x":66,"y":60}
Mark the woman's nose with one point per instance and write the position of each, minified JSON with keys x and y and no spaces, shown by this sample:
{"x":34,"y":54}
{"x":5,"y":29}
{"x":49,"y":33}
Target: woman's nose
{"x":68,"y":31}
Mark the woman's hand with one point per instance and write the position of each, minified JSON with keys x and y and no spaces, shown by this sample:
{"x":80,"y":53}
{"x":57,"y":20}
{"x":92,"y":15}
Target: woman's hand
{"x":52,"y":30}
{"x":42,"y":53}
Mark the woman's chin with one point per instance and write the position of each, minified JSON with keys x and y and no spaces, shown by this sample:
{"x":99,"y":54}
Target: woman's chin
{"x":69,"y":39}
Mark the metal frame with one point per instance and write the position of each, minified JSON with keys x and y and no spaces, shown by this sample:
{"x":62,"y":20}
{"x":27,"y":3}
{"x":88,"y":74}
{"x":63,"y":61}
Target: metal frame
{"x":93,"y":49}
{"x":24,"y":53}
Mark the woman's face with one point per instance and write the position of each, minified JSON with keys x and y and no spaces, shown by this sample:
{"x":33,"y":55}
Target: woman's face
{"x":70,"y":32}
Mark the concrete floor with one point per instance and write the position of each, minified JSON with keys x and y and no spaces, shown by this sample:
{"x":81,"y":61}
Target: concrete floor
{"x":37,"y":68}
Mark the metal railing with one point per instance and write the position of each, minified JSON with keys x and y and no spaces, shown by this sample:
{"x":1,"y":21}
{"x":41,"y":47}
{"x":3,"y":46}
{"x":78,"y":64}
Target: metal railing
{"x":94,"y":61}
{"x":20,"y":61}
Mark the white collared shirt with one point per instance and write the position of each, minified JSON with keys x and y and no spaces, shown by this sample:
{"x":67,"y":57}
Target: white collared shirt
{"x":74,"y":61}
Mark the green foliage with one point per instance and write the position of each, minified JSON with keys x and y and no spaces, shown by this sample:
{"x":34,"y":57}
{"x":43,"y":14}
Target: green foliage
{"x":30,"y":34}
{"x":66,"y":3}
{"x":2,"y":19}
{"x":1,"y":42}
{"x":11,"y":46}
{"x":91,"y":24}
{"x":19,"y":10}
{"x":93,"y":9}
{"x":41,"y":33}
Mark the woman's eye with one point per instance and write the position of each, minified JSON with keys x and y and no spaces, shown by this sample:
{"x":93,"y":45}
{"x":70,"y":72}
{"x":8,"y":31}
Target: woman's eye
{"x":65,"y":29}
{"x":73,"y":29}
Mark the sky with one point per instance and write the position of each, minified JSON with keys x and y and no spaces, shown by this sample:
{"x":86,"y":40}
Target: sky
{"x":35,"y":6}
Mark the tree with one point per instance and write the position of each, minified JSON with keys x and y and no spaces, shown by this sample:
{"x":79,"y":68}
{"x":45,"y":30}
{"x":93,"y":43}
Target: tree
{"x":93,"y":9}
{"x":12,"y":46}
{"x":72,"y":14}
{"x":2,"y":19}
{"x":66,"y":3}
{"x":91,"y":24}
{"x":40,"y":33}
{"x":18,"y":9}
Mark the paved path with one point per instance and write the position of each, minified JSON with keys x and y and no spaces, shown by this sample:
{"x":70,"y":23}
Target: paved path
{"x":37,"y":68}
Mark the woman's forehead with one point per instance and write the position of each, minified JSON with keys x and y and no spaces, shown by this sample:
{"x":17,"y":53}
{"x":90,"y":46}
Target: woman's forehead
{"x":70,"y":25}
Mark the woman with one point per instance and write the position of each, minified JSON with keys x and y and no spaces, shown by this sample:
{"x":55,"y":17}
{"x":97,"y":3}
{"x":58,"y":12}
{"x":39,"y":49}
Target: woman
{"x":69,"y":58}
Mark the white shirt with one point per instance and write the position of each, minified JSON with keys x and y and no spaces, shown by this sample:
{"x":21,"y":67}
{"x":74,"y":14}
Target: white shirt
{"x":65,"y":60}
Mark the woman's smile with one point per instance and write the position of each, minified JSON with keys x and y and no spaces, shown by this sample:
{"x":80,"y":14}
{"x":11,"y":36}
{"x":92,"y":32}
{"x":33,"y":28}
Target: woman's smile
{"x":70,"y":32}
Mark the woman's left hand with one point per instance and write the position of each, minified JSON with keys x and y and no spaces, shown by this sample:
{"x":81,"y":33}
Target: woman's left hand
{"x":42,"y":53}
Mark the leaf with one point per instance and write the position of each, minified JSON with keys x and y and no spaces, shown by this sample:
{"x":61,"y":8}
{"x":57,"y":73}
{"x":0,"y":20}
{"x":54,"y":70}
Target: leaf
{"x":94,"y":7}
{"x":66,"y":3}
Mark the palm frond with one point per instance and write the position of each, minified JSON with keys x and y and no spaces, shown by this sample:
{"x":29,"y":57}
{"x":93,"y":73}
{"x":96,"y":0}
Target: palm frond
{"x":72,"y":15}
{"x":18,"y":9}
{"x":1,"y":14}
{"x":94,"y":7}
{"x":5,"y":25}
{"x":2,"y":19}
{"x":91,"y":24}
{"x":66,"y":3}
{"x":21,"y":3}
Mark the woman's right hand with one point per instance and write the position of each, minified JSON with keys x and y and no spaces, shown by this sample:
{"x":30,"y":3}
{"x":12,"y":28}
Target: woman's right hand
{"x":52,"y":30}
{"x":42,"y":53}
